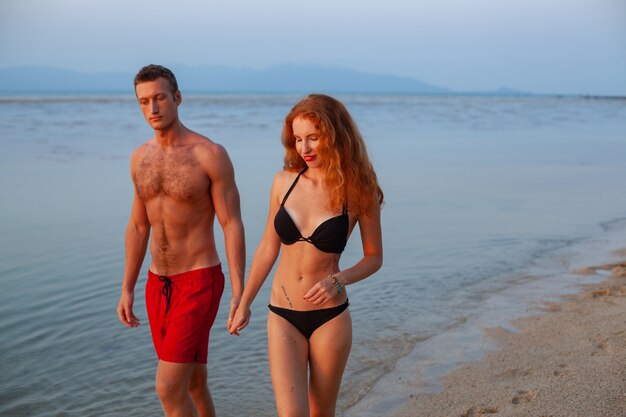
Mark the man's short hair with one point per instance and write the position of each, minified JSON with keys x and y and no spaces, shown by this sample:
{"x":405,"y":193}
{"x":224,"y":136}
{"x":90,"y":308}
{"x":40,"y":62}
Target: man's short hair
{"x":152,"y":72}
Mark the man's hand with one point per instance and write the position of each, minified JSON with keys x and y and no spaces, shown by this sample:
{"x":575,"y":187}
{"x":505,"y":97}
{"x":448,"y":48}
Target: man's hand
{"x":234,"y":303}
{"x":238,"y":319}
{"x":125,"y":310}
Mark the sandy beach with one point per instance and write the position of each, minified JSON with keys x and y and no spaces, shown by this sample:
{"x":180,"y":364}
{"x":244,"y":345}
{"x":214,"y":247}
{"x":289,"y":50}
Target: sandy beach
{"x":568,"y":361}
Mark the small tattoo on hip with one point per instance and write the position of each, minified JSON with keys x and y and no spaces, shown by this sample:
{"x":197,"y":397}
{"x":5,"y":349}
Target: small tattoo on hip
{"x":288,"y":300}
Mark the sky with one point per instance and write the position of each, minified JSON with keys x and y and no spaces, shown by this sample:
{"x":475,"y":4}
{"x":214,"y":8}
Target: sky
{"x":538,"y":46}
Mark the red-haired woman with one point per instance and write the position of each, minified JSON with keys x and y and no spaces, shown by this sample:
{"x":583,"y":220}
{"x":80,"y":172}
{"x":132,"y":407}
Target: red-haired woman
{"x":328,"y":185}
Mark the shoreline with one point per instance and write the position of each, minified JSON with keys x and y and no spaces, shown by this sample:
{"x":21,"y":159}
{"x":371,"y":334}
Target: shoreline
{"x":551,"y":277}
{"x":565,"y":361}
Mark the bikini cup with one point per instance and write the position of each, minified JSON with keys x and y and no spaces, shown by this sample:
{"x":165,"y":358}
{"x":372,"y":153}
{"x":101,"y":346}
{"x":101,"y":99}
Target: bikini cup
{"x":330,"y":236}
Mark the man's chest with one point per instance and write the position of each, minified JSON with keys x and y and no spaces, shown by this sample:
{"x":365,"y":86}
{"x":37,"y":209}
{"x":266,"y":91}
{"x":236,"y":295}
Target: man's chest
{"x":177,"y":177}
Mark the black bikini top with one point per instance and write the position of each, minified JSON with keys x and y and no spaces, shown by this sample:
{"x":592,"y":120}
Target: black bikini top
{"x":331,"y":236}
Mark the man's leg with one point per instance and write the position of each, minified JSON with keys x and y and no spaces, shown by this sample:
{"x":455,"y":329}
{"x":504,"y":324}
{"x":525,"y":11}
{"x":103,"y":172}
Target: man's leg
{"x":172,"y":386}
{"x":199,"y":390}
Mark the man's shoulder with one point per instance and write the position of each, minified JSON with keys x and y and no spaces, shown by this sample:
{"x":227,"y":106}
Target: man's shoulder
{"x":142,"y":149}
{"x":204,"y":145}
{"x":212,"y":148}
{"x":196,"y":138}
{"x":211,"y":153}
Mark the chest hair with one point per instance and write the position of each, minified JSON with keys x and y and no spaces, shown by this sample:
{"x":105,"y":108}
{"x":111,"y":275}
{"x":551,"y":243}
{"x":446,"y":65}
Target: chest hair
{"x":174,"y":174}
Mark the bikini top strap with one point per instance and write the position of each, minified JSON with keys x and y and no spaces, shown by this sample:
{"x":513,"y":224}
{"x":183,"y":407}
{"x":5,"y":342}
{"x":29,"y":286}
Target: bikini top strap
{"x":293,"y":185}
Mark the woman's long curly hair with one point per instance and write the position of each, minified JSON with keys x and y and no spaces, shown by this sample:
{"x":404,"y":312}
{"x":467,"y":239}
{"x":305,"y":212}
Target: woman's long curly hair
{"x":348,"y":170}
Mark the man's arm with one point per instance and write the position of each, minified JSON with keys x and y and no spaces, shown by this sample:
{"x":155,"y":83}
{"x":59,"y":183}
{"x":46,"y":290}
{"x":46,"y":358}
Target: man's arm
{"x":137,"y":236}
{"x":227,"y":209}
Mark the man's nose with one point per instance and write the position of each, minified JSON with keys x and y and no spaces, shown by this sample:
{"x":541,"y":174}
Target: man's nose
{"x":154,"y":106}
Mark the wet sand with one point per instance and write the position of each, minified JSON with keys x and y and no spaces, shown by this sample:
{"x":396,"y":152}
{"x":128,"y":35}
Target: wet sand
{"x":569,"y":361}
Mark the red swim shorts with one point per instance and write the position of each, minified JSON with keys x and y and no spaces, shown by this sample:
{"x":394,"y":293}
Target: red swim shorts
{"x":181,"y":310}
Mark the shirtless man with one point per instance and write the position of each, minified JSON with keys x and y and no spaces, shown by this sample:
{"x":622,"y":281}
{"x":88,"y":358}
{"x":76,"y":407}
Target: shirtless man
{"x":182,"y":180}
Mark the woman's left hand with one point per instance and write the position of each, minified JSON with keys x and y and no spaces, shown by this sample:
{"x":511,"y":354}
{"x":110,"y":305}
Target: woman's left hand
{"x":322,"y":292}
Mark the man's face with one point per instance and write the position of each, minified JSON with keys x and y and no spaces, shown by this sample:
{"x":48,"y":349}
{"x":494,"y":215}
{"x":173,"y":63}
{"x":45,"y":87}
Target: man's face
{"x":158,"y":103}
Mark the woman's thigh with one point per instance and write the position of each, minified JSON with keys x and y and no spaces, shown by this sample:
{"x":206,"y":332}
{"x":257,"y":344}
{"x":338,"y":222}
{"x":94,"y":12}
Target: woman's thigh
{"x":288,"y":357}
{"x":329,"y":350}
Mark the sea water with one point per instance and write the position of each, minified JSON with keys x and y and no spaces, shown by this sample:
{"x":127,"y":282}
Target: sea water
{"x":490,"y":204}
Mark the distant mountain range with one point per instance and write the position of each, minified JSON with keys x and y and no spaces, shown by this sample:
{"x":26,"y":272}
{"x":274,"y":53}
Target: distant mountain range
{"x":216,"y":79}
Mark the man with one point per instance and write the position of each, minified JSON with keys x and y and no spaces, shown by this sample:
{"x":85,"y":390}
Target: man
{"x":182,"y":180}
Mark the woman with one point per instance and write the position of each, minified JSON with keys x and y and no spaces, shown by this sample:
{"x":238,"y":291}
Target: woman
{"x":328,"y":185}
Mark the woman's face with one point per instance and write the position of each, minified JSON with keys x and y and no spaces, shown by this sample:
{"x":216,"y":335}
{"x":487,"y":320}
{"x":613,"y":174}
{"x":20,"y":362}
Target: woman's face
{"x":307,"y":141}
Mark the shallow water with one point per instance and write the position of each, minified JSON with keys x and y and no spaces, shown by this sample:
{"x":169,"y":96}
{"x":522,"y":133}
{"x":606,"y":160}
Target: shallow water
{"x":480,"y":192}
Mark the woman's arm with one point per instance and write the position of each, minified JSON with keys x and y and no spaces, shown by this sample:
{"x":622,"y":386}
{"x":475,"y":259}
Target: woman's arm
{"x":264,"y":259}
{"x":372,"y":260}
{"x":372,"y":241}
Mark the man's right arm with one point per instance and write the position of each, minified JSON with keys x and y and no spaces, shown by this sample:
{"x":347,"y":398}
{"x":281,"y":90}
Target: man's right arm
{"x":137,"y":237}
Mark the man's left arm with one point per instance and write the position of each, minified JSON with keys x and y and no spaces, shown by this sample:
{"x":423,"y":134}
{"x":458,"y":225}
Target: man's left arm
{"x":227,"y":209}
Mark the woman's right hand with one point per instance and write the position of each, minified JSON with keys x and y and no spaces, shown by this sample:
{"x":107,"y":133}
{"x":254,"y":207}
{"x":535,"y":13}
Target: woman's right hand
{"x":240,"y":319}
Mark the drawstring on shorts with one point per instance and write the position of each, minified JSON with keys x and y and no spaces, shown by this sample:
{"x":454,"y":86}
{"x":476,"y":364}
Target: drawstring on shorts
{"x":166,"y":291}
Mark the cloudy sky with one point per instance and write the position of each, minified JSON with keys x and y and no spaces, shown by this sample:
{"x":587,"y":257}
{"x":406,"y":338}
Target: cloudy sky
{"x":540,"y":46}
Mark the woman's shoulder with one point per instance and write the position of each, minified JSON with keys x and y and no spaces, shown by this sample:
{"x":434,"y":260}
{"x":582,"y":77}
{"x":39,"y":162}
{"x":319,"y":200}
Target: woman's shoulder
{"x":285,"y":176}
{"x":282,"y":181}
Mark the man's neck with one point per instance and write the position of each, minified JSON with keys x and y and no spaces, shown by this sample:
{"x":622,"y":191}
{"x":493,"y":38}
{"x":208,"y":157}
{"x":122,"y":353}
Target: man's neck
{"x":172,"y":136}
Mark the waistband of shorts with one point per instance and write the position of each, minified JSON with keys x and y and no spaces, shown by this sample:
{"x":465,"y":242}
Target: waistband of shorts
{"x":195,"y":273}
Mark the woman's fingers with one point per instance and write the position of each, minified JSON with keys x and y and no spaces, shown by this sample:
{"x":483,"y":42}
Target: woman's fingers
{"x":319,"y":293}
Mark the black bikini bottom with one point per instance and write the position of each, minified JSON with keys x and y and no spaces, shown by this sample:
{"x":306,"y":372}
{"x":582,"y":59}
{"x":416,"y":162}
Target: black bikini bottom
{"x":309,"y":321}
